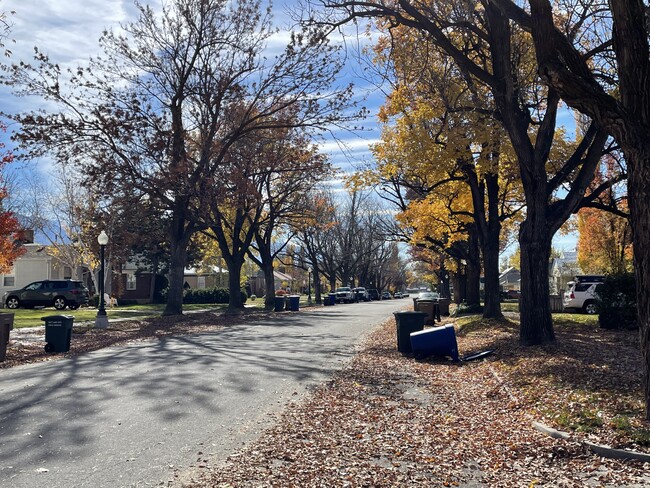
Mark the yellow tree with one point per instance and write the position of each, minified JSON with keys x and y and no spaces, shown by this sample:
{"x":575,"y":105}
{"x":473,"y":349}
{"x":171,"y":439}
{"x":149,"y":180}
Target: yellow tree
{"x":439,"y":133}
{"x":604,"y":242}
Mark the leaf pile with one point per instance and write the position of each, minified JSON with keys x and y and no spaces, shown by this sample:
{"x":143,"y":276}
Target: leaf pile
{"x":387,"y":420}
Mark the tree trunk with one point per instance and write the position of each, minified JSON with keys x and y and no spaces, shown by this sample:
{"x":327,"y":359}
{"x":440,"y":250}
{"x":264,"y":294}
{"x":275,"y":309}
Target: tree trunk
{"x":154,"y":274}
{"x":460,"y":280}
{"x":639,"y":198}
{"x":317,"y":291}
{"x":492,"y":301}
{"x":178,"y":259}
{"x":445,"y":290}
{"x":234,"y":282}
{"x":269,"y":285}
{"x":473,"y":290}
{"x":535,"y":307}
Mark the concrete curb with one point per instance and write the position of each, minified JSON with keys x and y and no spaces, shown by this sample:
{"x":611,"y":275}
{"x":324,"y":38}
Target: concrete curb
{"x":600,"y":450}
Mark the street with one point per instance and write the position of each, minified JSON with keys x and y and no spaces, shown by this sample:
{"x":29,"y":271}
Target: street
{"x":131,"y":415}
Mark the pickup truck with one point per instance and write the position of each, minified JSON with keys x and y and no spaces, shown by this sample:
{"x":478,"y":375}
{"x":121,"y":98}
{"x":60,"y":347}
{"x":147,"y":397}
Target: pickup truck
{"x":344,"y":294}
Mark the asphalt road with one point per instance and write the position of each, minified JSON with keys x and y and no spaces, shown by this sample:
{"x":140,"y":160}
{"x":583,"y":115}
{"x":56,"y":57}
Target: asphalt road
{"x":129,"y":416}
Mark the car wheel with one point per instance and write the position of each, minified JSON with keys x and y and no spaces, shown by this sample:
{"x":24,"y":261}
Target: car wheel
{"x":73,"y":306}
{"x":590,"y":308}
{"x":12,"y":302}
{"x":59,"y":303}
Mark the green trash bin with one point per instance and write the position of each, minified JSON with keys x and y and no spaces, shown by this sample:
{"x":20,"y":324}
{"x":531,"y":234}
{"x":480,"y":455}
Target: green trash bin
{"x":407,"y":322}
{"x":294,"y":303}
{"x":6,"y":324}
{"x":279,"y":304}
{"x":58,"y":332}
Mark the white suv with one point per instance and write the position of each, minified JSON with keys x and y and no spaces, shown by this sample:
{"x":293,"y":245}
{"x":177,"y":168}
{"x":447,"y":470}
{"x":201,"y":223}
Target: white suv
{"x":581,"y":295}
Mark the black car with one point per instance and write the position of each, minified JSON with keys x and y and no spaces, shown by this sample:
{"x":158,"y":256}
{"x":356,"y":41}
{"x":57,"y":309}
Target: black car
{"x":373,"y":294}
{"x":48,"y":293}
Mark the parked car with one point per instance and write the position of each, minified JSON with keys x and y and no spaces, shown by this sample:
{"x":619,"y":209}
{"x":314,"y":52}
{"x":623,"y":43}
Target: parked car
{"x":581,"y":294}
{"x":373,"y":294}
{"x":385,"y":295}
{"x":48,"y":293}
{"x":397,"y":294}
{"x":360,"y":294}
{"x":513,"y":294}
{"x":344,"y":294}
{"x":428,"y":295}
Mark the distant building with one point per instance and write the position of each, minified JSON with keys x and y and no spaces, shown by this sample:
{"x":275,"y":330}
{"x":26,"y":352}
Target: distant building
{"x":562,"y":270}
{"x":510,"y":279}
{"x":39,"y":262}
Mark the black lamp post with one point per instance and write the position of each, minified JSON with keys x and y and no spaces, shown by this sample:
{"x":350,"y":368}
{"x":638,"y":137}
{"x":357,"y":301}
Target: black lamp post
{"x":101,"y":321}
{"x":309,"y":287}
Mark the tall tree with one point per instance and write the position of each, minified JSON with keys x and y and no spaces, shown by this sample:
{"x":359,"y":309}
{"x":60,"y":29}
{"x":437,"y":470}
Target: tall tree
{"x":172,"y":93}
{"x":528,"y":113}
{"x":10,"y":229}
{"x":608,"y":80}
{"x":292,"y":168}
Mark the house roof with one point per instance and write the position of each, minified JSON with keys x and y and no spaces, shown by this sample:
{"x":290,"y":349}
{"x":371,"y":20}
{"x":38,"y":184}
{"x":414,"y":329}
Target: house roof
{"x":510,"y":270}
{"x":35,"y":251}
{"x":282,"y":276}
{"x":204,"y":270}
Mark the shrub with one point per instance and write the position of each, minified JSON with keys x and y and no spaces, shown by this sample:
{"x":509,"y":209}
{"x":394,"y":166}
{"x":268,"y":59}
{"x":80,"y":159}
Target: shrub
{"x":206,"y":295}
{"x":464,"y":309}
{"x":253,"y":298}
{"x":616,"y":302}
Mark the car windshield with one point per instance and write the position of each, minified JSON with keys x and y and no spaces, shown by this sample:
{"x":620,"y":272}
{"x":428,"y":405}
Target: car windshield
{"x":344,"y":288}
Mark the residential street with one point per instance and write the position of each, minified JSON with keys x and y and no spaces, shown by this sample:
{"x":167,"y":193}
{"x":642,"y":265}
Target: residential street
{"x":131,"y":415}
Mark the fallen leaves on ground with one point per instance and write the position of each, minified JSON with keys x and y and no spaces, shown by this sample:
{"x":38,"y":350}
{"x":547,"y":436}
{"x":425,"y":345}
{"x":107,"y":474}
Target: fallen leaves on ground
{"x":387,"y":420}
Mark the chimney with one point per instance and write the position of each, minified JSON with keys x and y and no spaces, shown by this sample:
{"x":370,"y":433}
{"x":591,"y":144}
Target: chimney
{"x":27,"y":236}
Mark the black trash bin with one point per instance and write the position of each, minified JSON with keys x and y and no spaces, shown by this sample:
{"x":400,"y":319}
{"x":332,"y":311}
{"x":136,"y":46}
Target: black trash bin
{"x":407,"y":322}
{"x":279,"y":304}
{"x":6,"y":324}
{"x":58,"y":332}
{"x":294,"y":303}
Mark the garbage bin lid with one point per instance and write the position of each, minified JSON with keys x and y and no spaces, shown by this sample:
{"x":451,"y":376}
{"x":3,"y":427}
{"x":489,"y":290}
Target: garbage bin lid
{"x":58,"y":317}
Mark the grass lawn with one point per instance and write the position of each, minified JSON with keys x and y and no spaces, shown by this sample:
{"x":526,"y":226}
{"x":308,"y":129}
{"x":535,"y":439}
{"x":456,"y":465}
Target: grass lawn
{"x":32,"y":317}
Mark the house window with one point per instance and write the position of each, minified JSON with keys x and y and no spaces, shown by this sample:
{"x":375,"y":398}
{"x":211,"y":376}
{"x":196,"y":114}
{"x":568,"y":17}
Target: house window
{"x":131,"y":282}
{"x":200,"y":283}
{"x":67,"y":273}
{"x":9,"y":281}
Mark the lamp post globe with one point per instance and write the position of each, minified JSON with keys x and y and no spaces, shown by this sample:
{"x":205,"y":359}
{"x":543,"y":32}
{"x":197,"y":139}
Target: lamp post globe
{"x":101,"y":321}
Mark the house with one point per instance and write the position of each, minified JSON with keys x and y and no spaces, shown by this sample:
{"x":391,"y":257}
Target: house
{"x":510,"y":279}
{"x":39,"y":262}
{"x":134,"y":281}
{"x":206,"y":277}
{"x":282,"y":280}
{"x":562,"y":270}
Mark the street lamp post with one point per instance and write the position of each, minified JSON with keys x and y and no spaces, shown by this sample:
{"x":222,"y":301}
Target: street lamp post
{"x":309,"y":287}
{"x":101,"y":321}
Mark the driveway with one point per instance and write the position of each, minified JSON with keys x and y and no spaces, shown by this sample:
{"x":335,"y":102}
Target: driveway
{"x":134,"y":415}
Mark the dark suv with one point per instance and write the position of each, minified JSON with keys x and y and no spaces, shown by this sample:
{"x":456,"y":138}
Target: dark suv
{"x":49,"y":293}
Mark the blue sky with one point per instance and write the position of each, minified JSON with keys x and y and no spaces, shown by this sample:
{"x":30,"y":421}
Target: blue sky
{"x":68,"y":31}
